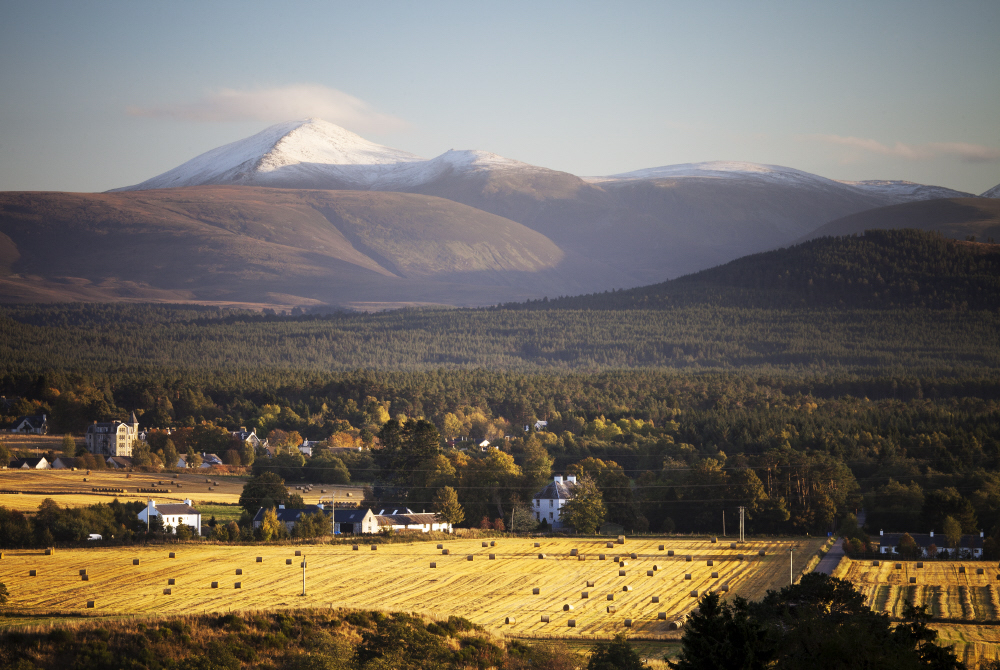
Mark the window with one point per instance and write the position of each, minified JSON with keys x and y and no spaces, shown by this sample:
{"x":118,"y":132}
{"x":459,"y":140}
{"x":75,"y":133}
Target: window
{"x":550,"y":515}
{"x":550,"y":503}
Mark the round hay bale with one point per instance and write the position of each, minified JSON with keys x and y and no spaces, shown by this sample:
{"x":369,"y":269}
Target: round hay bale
{"x":621,"y":539}
{"x":85,"y":578}
{"x":761,"y":553}
{"x":469,"y":557}
{"x":626,"y":588}
{"x":567,"y":608}
{"x":581,"y":557}
{"x":354,"y":547}
{"x":440,"y":546}
{"x":628,"y":623}
{"x":171,"y":582}
{"x":634,"y":556}
{"x":670,"y":552}
{"x":694,"y":594}
{"x":260,"y":559}
{"x":661,"y":547}
{"x":434,"y":565}
{"x":239,"y":571}
{"x":574,"y":552}
{"x":585,"y":594}
{"x":724,"y":588}
{"x":485,"y":544}
{"x":709,"y":563}
{"x":612,"y":609}
{"x":298,"y":552}
{"x":610,"y":545}
{"x":611,"y":596}
{"x":688,"y":558}
{"x":172,"y":555}
{"x":602,"y":557}
{"x":493,"y":543}
{"x":715,"y":540}
{"x":445,"y":552}
{"x":661,"y":616}
{"x":302,"y":564}
{"x":913,"y":580}
{"x":541,"y":555}
{"x":135,"y":561}
{"x":83,"y":572}
{"x":655,"y":599}
{"x":48,"y":552}
{"x":590,"y":583}
{"x":167,"y":592}
{"x":32,"y":573}
{"x":493,"y":557}
{"x":622,"y":564}
{"x":656,"y":566}
{"x":687,"y":575}
{"x":545,"y":618}
{"x":215,"y":585}
{"x":649,"y":573}
{"x":732,"y":545}
{"x":715,"y":575}
{"x":349,"y":495}
{"x":91,"y":604}
{"x":740,"y":557}
{"x":535,"y":591}
{"x":875,"y":564}
{"x":288,"y":561}
{"x":538,"y":544}
{"x":899,"y":566}
{"x":675,"y":625}
{"x":621,"y":573}
{"x":510,"y":620}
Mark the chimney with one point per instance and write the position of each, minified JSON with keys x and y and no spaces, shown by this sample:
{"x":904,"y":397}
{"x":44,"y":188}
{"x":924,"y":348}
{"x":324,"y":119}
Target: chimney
{"x":281,"y":507}
{"x":980,"y":533}
{"x":932,"y":533}
{"x":557,"y":479}
{"x":189,"y":502}
{"x":151,"y":505}
{"x":881,"y":532}
{"x":571,"y":479}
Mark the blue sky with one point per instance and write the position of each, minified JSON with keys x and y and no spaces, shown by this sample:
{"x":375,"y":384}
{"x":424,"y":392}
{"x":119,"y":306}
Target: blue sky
{"x":103,"y":94}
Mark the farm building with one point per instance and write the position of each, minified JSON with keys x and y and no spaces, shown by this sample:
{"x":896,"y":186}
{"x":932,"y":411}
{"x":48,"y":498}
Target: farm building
{"x":112,"y":438}
{"x":173,"y":515}
{"x":549,"y":501}
{"x":353,"y":521}
{"x":888,"y":543}
{"x":39,"y":463}
{"x":30,"y":425}
{"x":119,"y":462}
{"x":63,"y":463}
{"x":408,"y":520}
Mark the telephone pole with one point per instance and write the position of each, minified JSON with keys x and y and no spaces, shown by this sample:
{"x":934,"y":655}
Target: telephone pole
{"x":723,"y":523}
{"x":742,"y":537}
{"x":303,"y":575}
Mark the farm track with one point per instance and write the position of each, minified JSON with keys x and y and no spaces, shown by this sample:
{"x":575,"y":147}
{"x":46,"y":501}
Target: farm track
{"x":398,"y":577}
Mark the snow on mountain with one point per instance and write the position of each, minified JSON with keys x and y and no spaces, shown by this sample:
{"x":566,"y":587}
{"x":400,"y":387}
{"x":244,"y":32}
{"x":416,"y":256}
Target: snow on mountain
{"x":992,"y":193}
{"x":715,"y":169}
{"x":310,"y":153}
{"x":906,"y":191}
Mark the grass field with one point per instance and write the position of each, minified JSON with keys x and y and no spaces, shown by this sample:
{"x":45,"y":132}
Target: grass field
{"x":398,"y":577}
{"x":947,"y":592}
{"x":68,"y":488}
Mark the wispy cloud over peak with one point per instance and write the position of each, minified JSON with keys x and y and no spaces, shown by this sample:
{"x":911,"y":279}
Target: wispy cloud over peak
{"x":857,"y":147}
{"x":277,"y":104}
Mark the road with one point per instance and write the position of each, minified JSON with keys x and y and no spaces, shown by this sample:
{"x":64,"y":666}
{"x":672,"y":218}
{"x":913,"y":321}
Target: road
{"x":830,"y":561}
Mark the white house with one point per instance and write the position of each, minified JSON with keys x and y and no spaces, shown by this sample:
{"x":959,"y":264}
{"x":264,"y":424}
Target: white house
{"x":355,"y":521}
{"x":541,"y":425}
{"x":408,"y":520}
{"x":31,"y":425}
{"x":208,"y":460}
{"x":173,"y":515}
{"x":307,"y":446}
{"x":39,"y":463}
{"x":550,"y":500}
{"x":63,"y":463}
{"x":888,"y":543}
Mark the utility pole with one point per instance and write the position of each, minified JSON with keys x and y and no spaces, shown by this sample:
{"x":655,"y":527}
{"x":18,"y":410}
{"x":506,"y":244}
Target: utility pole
{"x":303,"y":575}
{"x":147,"y":516}
{"x":723,"y":523}
{"x":791,"y":580}
{"x":742,"y":538}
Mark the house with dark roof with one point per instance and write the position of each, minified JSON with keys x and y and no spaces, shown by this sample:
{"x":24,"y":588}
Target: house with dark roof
{"x":173,"y":515}
{"x":64,"y":463}
{"x":40,"y":463}
{"x":549,"y":501}
{"x":112,"y":438}
{"x":31,"y":425}
{"x":249,"y":437}
{"x":119,"y":462}
{"x":347,"y":521}
{"x":888,"y":543}
{"x":409,"y":520}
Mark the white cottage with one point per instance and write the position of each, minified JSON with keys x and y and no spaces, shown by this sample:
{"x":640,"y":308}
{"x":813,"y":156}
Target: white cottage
{"x":173,"y":515}
{"x":550,"y":500}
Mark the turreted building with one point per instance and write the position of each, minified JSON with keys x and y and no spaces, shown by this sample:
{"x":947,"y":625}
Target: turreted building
{"x":113,"y":438}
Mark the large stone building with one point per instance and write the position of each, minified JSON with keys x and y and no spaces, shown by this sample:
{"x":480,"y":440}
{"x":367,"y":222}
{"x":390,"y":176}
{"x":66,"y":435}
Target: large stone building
{"x":113,"y":438}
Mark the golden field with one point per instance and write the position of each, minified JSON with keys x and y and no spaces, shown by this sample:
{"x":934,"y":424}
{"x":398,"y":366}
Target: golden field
{"x":68,"y":489}
{"x":947,"y":592}
{"x":398,"y":577}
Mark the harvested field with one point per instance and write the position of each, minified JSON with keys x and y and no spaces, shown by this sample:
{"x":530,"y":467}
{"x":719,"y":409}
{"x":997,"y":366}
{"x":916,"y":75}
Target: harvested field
{"x":484,"y":591}
{"x":69,"y":489}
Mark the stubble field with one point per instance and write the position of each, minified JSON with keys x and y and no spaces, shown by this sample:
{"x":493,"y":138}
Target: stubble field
{"x":398,"y":577}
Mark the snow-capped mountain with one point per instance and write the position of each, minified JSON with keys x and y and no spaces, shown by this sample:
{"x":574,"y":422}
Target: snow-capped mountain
{"x":907,"y":191}
{"x":992,"y":193}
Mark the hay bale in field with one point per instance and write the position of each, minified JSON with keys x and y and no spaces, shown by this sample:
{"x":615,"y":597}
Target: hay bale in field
{"x":656,"y":566}
{"x":715,"y":540}
{"x":581,"y":557}
{"x":135,"y":561}
{"x":574,"y":552}
{"x":288,"y":561}
{"x":238,"y":585}
{"x":493,"y":557}
{"x":980,"y":571}
{"x":724,"y":588}
{"x":694,"y":594}
{"x":634,"y":556}
{"x":567,"y":608}
{"x":649,"y":573}
{"x":732,"y":545}
{"x":611,"y":596}
{"x":628,"y":623}
{"x":875,"y":564}
{"x":85,"y":578}
{"x":171,"y":582}
{"x":590,"y":583}
{"x":215,"y":585}
{"x":610,"y":545}
{"x":239,"y":571}
{"x":350,"y":495}
{"x":621,"y":539}
{"x":612,"y":609}
{"x":260,"y":559}
{"x":709,"y":563}
{"x":715,"y":575}
{"x":913,"y":580}
{"x":740,"y":557}
{"x":167,"y":592}
{"x":920,"y":565}
{"x":655,"y":599}
{"x":621,"y":573}
{"x":354,"y":547}
{"x":32,"y":573}
{"x":538,"y":544}
{"x":675,"y":624}
{"x":661,"y":547}
{"x":761,"y":553}
{"x":493,"y":543}
{"x":85,"y":479}
{"x":584,"y":594}
{"x":440,"y":546}
{"x":622,"y":564}
{"x":445,"y":552}
{"x":535,"y":591}
{"x":687,"y":575}
{"x":469,"y":557}
{"x":298,"y":552}
{"x":545,"y":618}
{"x":172,"y":555}
{"x":485,"y":544}
{"x":510,"y":620}
{"x":602,"y":557}
{"x":48,"y":552}
{"x":541,"y":555}
{"x":961,"y":569}
{"x":687,"y":559}
{"x":626,"y":588}
{"x":91,"y":604}
{"x":83,"y":572}
{"x":661,"y":616}
{"x":434,"y":565}
{"x":670,"y":552}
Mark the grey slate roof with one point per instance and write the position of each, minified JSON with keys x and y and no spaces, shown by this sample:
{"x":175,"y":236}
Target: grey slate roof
{"x":924,"y":540}
{"x":556,"y":491}
{"x":407,"y":519}
{"x":176,"y":509}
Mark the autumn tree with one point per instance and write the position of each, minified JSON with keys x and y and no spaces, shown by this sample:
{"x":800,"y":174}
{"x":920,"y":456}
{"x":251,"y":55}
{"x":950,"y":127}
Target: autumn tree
{"x":585,"y":510}
{"x":447,"y":507}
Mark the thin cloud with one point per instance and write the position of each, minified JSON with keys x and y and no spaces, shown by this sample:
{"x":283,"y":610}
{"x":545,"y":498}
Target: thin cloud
{"x":857,"y":146}
{"x":273,"y":105}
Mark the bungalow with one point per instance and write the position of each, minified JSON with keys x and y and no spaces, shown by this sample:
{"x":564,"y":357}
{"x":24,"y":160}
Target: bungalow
{"x":173,"y":515}
{"x":209,"y":460}
{"x":550,"y":500}
{"x":31,"y":425}
{"x":64,"y":463}
{"x":39,"y":463}
{"x":355,"y":521}
{"x":888,"y":543}
{"x":424,"y":523}
{"x":119,"y":462}
{"x":541,"y":425}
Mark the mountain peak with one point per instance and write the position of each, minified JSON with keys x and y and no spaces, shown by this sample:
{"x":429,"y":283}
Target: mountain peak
{"x":992,"y":193}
